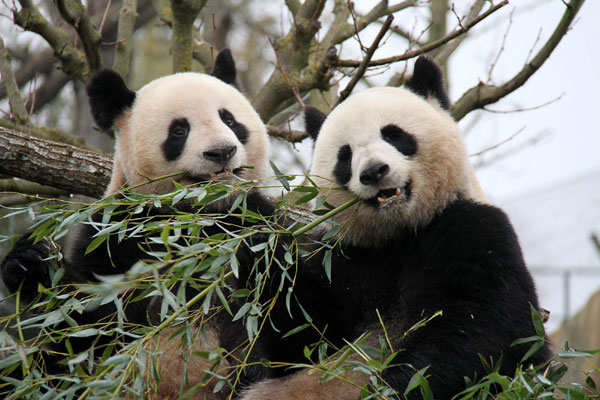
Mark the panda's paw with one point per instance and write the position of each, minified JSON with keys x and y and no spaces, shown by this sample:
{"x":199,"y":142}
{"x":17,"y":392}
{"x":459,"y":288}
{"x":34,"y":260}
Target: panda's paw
{"x":27,"y":264}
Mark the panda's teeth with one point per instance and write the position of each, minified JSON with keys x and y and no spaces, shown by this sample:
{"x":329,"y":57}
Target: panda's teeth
{"x":381,"y":200}
{"x":398,"y":192}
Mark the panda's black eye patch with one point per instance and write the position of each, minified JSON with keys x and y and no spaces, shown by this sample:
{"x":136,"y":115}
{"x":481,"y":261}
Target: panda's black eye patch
{"x":239,"y":129}
{"x":404,"y":142}
{"x":343,"y":167}
{"x":179,"y":130}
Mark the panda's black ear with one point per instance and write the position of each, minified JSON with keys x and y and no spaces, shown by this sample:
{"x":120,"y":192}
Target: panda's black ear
{"x":428,"y":81}
{"x":109,"y":97}
{"x":224,"y":68}
{"x":313,"y":120}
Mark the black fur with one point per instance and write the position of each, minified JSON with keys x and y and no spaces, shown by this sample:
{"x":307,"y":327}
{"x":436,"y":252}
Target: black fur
{"x":109,"y":97}
{"x":428,"y":81}
{"x":404,"y":142}
{"x":174,"y":144}
{"x":466,"y":263}
{"x":224,"y":68}
{"x":343,"y":167}
{"x":313,"y":120}
{"x":239,"y":129}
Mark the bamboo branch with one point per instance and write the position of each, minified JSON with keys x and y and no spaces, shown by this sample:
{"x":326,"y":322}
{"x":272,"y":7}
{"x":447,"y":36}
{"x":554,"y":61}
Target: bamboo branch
{"x":360,"y":72}
{"x":75,"y":14}
{"x":482,"y":94}
{"x":53,"y":164}
{"x":184,"y":15}
{"x":126,"y":25}
{"x":428,"y":47}
{"x":17,"y":106}
{"x":73,"y":60}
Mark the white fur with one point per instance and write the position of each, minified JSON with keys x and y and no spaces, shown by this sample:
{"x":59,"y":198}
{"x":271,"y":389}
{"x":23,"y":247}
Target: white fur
{"x":198,"y":98}
{"x":439,"y":171}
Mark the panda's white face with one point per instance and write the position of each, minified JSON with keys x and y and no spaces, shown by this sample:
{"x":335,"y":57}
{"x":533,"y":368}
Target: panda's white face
{"x":401,"y":155}
{"x":191,"y":123}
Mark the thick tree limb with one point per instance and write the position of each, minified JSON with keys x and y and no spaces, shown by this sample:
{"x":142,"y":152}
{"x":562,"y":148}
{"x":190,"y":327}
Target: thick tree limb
{"x":184,"y":14}
{"x":291,"y":135}
{"x":44,"y":132}
{"x":17,"y":106}
{"x":462,"y":29}
{"x":482,"y":94}
{"x":72,"y":59}
{"x":76,"y":15}
{"x":291,"y":76}
{"x":53,"y":164}
{"x":126,"y":27}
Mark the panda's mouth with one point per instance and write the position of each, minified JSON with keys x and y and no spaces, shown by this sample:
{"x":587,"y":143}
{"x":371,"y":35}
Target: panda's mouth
{"x":386,"y":197}
{"x":223,"y":175}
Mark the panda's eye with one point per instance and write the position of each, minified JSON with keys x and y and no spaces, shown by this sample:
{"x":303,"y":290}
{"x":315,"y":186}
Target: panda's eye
{"x":236,"y":127}
{"x":344,"y":153}
{"x":179,"y":128}
{"x":227,"y":118}
{"x":404,"y":142}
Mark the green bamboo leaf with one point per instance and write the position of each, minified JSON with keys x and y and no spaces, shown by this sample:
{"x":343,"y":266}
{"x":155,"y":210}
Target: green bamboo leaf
{"x":95,"y":243}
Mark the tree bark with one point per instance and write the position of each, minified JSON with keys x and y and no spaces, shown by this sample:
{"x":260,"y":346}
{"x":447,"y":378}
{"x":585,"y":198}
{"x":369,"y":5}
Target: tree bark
{"x":54,"y":164}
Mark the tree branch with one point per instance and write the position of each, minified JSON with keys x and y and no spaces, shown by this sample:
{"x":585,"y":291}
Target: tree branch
{"x":17,"y":106}
{"x":44,"y":132}
{"x":53,"y":164}
{"x":482,"y":94}
{"x":445,"y":53}
{"x":126,"y":25}
{"x":380,"y":10}
{"x":75,"y":14}
{"x":428,"y":47}
{"x":184,"y":15}
{"x":291,"y":135}
{"x":293,"y":54}
{"x":72,"y":59}
{"x":363,"y":66}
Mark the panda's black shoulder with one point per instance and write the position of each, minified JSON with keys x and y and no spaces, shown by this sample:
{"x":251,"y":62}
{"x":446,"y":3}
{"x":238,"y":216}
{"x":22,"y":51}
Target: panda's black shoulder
{"x":467,"y":229}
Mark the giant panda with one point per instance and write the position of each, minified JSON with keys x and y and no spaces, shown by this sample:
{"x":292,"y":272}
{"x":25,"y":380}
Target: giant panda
{"x":421,"y":244}
{"x":196,"y":124}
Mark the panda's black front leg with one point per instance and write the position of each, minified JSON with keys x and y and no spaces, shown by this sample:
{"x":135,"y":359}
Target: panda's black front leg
{"x":27,"y":266}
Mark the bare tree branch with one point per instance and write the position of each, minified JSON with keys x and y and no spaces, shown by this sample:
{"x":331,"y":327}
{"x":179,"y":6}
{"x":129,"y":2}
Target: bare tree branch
{"x":483,"y":94}
{"x":17,"y":106}
{"x":76,"y":15}
{"x":73,"y":60}
{"x":53,"y":164}
{"x":444,"y":53}
{"x":289,"y":135}
{"x":126,"y":26}
{"x":430,"y":46}
{"x":184,"y":14}
{"x":18,"y":186}
{"x":365,"y":63}
{"x":380,"y":10}
{"x":46,"y":133}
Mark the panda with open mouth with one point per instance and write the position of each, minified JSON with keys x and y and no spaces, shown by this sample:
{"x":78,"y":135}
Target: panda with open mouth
{"x":422,"y":247}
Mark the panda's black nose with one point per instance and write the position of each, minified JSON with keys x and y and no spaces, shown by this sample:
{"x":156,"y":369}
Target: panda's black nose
{"x":220,"y":154}
{"x":373,"y":174}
